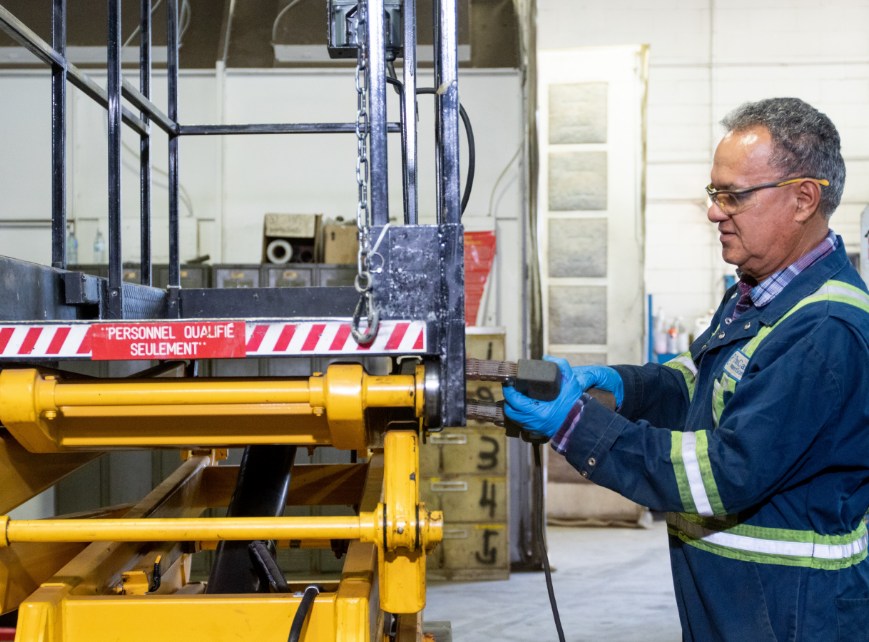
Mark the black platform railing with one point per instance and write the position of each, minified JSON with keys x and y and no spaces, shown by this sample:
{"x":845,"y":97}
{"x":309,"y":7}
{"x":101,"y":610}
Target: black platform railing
{"x":444,"y":248}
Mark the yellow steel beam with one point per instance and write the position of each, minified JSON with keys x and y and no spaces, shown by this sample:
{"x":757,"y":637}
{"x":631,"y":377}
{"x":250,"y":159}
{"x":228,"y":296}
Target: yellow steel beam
{"x":401,"y":528}
{"x":47,"y":414}
{"x":24,"y":475}
{"x":81,"y":602}
{"x":410,"y":530}
{"x":23,"y":567}
{"x":53,"y":615}
{"x":401,"y":532}
{"x":310,"y":484}
{"x":187,"y":529}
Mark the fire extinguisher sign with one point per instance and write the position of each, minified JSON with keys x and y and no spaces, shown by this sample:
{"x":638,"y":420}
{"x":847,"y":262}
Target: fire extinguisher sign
{"x":173,"y":340}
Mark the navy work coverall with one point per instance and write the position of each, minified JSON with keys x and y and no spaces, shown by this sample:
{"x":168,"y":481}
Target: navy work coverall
{"x":756,"y":444}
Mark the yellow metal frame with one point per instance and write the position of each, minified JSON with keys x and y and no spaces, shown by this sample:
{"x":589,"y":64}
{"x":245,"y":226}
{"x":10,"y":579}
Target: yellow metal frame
{"x":46,"y":414}
{"x":104,"y":588}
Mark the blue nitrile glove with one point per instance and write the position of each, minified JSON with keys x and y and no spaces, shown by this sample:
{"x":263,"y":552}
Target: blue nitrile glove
{"x":544,"y":417}
{"x":601,"y":377}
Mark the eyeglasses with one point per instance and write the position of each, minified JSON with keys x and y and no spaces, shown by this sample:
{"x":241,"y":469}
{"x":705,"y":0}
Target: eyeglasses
{"x":733,"y":201}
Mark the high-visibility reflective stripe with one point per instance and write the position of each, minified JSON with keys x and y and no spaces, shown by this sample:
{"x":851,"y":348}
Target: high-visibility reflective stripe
{"x":697,"y":488}
{"x":706,"y":476}
{"x":840,"y":290}
{"x":835,"y":291}
{"x":689,"y":454}
{"x":676,"y":460}
{"x":685,"y":366}
{"x":692,"y":471}
{"x":770,"y":545}
{"x":686,"y":361}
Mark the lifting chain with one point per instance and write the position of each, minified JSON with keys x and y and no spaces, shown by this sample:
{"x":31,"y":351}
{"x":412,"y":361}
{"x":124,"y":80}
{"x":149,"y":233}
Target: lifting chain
{"x":365,"y":307}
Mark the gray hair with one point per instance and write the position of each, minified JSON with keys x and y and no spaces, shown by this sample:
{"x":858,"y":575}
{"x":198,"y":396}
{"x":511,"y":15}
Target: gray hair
{"x":805,"y":142}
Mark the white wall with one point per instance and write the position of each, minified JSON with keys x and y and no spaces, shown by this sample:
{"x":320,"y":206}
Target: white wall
{"x":706,"y":58}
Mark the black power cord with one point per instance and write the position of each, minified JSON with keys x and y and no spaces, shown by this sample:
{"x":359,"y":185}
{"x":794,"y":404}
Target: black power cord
{"x":302,"y":613}
{"x":469,"y":135}
{"x":472,"y":148}
{"x":541,"y":537}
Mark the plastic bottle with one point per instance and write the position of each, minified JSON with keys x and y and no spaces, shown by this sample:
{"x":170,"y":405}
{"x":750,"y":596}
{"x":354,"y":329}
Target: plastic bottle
{"x":681,"y":337}
{"x":672,"y":333}
{"x":99,"y":248}
{"x":660,"y":333}
{"x":71,"y":247}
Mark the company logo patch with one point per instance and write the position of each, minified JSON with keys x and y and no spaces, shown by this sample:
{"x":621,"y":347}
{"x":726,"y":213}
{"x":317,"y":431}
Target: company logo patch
{"x":737,"y":364}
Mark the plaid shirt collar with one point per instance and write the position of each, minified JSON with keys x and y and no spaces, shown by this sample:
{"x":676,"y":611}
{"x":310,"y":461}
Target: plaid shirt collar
{"x":768,"y":289}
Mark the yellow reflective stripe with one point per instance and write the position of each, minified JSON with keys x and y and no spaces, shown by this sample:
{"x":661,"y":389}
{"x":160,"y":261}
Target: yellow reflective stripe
{"x":710,"y":488}
{"x":676,"y":438}
{"x":692,"y":472}
{"x":719,"y":388}
{"x":847,"y":293}
{"x":684,"y":365}
{"x":697,"y":488}
{"x":836,"y":291}
{"x":770,"y":545}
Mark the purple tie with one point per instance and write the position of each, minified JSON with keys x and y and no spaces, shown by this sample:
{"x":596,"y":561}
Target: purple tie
{"x":744,"y":301}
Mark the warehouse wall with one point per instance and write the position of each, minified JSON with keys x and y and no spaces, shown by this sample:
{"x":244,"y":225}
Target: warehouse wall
{"x":706,"y":58}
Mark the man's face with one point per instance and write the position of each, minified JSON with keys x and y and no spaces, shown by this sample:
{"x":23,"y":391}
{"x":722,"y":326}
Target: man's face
{"x":764,"y":236}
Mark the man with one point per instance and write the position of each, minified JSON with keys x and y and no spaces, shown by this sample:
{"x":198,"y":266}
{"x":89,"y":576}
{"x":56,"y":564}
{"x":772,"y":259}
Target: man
{"x":756,"y":441}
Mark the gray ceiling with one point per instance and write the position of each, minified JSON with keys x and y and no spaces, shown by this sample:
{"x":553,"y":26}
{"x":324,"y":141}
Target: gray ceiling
{"x":488,"y":26}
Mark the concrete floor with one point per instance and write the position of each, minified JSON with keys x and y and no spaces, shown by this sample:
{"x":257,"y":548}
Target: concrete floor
{"x":611,"y":584}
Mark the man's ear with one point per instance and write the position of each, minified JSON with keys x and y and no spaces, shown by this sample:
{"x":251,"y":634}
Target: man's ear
{"x":808,"y":200}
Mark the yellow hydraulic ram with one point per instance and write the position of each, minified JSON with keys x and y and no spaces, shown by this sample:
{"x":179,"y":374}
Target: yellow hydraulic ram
{"x":46,"y":414}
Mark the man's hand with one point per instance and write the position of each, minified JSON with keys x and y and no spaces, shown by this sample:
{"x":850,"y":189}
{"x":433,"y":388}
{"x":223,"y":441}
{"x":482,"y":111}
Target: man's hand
{"x":603,"y":378}
{"x":544,"y":417}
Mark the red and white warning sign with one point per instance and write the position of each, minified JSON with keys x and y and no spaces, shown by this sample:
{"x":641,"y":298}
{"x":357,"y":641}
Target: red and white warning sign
{"x":227,"y":339}
{"x":169,"y":340}
{"x":332,"y":338}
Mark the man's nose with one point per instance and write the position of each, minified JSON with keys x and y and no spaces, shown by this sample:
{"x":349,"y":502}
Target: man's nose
{"x":714,"y":213}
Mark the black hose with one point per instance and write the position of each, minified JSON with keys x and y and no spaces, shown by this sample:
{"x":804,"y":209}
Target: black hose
{"x":261,"y":491}
{"x":267,"y":566}
{"x":472,"y":150}
{"x":541,"y":536}
{"x":469,"y":135}
{"x":302,"y":613}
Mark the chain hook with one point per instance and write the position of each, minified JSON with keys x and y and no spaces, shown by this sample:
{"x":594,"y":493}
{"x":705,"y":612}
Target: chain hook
{"x":368,"y":334}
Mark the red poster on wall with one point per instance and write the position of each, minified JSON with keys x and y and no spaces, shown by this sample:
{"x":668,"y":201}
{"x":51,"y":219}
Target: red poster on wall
{"x":479,"y":256}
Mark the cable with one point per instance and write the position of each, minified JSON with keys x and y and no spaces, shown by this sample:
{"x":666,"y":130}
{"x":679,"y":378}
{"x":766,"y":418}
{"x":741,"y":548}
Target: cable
{"x":302,"y":613}
{"x":541,"y":535}
{"x":186,"y":19}
{"x":280,"y":15}
{"x":469,"y":135}
{"x":138,"y":27}
{"x":500,"y":178}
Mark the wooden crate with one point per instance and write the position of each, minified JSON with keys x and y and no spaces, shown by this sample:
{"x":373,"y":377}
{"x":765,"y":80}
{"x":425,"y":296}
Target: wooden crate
{"x":464,"y":473}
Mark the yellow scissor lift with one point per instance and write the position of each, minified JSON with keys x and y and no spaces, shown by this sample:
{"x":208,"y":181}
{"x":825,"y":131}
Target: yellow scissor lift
{"x":92,"y":578}
{"x":124,"y":572}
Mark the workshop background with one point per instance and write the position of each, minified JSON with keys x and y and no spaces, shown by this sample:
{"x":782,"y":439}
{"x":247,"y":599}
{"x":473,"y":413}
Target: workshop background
{"x":703,"y":59}
{"x":594,"y":126}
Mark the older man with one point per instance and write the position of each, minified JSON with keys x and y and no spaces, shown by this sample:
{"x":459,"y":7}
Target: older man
{"x":756,"y":440}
